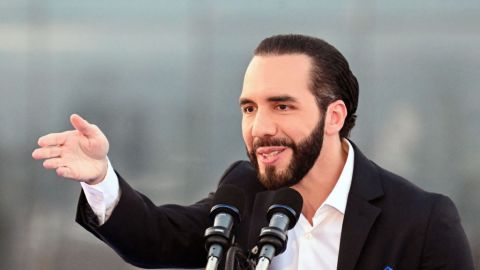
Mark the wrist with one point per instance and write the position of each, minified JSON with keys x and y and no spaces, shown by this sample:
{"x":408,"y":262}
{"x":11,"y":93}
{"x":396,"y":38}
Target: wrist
{"x":102,"y":174}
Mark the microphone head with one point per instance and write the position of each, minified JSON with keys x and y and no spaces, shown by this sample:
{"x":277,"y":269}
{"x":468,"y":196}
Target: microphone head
{"x":289,"y":202}
{"x":230,"y":199}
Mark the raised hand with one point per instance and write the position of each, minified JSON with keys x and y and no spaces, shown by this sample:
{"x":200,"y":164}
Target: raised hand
{"x":79,"y":154}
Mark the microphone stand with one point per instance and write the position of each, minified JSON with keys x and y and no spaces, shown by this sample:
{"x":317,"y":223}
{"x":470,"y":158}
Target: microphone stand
{"x":237,"y":259}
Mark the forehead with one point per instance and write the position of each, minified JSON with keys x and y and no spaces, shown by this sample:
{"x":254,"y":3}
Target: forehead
{"x":275,"y":75}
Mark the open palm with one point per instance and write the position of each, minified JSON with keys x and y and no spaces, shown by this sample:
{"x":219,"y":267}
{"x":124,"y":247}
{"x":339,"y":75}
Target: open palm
{"x":79,"y":154}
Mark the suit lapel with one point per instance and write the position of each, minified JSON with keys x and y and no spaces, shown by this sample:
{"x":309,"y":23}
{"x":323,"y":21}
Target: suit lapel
{"x":360,"y":213}
{"x":358,"y":220}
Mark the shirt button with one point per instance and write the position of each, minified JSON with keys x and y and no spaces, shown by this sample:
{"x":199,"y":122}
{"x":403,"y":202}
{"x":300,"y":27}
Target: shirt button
{"x":308,"y":236}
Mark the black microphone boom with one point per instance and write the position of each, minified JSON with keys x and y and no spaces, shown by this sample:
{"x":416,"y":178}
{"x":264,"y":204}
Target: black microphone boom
{"x":283,"y":214}
{"x":227,"y":205}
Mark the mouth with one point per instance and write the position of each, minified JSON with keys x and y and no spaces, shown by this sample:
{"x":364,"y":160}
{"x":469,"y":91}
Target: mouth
{"x":270,"y":155}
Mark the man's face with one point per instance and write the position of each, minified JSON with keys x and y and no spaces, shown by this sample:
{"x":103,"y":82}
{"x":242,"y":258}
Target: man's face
{"x":281,"y":124}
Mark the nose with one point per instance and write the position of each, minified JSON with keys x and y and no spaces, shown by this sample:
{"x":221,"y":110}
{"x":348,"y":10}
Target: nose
{"x":263,"y":125}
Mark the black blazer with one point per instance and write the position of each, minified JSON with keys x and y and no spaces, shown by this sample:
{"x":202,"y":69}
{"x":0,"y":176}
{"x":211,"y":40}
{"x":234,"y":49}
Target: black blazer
{"x":388,"y":222}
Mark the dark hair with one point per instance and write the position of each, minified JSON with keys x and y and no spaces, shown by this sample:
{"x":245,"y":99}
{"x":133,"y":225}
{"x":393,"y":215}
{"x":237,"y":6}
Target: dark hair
{"x":331,"y":76}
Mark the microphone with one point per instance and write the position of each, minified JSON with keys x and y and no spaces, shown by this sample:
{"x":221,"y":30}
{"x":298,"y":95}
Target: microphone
{"x":227,"y":205}
{"x":283,"y":214}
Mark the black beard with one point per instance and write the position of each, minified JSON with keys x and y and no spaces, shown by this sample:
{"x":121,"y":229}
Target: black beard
{"x":305,"y":153}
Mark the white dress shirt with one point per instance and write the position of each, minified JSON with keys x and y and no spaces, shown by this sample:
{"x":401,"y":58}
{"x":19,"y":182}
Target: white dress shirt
{"x":316,"y":247}
{"x":104,"y":196}
{"x":309,"y":246}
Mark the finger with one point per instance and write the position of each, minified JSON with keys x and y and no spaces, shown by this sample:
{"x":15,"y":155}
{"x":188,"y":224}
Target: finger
{"x":53,"y":163}
{"x":47,"y":152}
{"x":65,"y":172}
{"x":82,"y":125}
{"x":52,"y":139}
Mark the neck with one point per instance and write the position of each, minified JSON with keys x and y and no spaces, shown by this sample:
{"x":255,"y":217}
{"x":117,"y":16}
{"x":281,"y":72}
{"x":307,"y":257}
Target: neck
{"x":322,"y":178}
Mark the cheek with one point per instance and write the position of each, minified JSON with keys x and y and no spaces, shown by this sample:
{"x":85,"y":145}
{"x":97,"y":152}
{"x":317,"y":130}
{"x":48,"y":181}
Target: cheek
{"x":247,"y":137}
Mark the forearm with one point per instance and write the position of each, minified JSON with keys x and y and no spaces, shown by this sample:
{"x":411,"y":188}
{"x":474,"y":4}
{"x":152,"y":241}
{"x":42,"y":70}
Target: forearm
{"x":151,"y":236}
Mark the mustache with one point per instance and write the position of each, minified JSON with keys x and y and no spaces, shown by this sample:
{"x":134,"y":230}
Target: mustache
{"x":261,"y":142}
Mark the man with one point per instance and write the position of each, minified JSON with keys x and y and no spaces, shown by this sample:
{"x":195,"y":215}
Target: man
{"x":298,"y":102}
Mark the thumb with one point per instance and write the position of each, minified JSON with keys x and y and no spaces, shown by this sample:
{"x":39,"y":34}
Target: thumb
{"x":82,"y":125}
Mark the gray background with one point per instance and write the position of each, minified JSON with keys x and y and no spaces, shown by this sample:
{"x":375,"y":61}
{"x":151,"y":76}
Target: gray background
{"x":162,"y":80}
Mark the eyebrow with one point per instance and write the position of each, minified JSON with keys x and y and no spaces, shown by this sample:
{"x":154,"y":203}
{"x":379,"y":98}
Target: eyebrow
{"x":284,"y":98}
{"x":244,"y":101}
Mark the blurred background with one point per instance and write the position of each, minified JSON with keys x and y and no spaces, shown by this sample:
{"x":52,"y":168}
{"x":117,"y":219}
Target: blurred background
{"x":162,"y":80}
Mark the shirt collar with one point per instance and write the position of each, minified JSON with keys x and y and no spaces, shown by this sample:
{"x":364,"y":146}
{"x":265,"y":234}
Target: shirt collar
{"x":339,"y":195}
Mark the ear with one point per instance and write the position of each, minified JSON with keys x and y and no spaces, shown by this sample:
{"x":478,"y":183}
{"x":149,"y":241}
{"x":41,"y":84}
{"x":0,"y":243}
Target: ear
{"x":335,"y":117}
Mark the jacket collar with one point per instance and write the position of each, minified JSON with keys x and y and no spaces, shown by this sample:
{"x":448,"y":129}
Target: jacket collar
{"x":360,"y":213}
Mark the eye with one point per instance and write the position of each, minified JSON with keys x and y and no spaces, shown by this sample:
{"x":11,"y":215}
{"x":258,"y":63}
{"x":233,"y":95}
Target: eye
{"x":282,"y":107}
{"x":248,"y":109}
